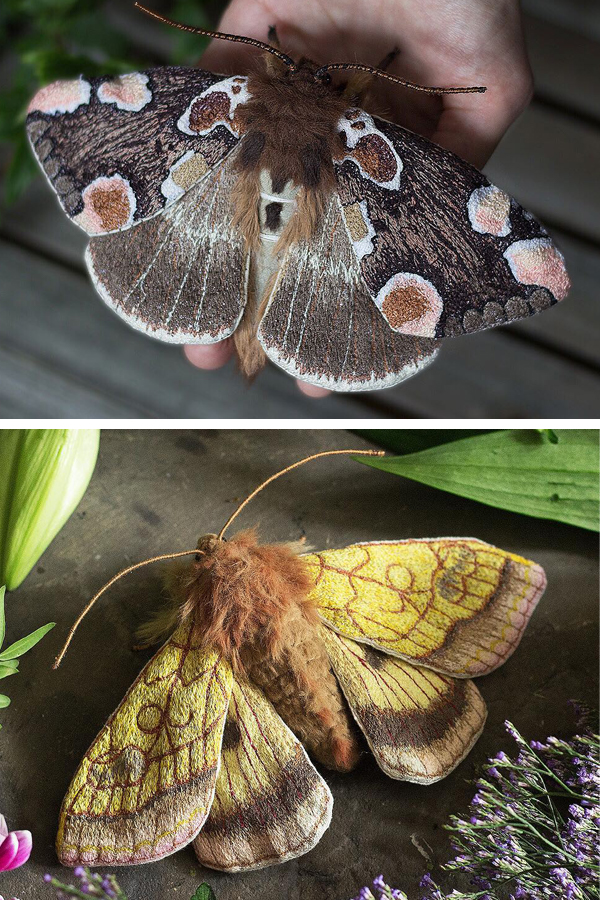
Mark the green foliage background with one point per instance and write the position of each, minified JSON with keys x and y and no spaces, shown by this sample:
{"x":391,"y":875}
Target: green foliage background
{"x":44,"y":40}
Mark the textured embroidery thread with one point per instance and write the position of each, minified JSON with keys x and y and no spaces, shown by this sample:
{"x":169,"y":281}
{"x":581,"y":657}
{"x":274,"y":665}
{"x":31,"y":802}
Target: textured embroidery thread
{"x":335,"y":243}
{"x":272,"y":656}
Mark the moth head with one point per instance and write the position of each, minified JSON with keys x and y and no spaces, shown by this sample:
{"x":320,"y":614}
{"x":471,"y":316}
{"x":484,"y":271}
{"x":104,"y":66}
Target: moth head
{"x":238,"y":594}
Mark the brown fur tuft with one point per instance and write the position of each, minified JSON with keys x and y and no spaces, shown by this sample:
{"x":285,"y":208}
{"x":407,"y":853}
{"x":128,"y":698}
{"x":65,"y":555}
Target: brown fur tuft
{"x":240,"y":593}
{"x":250,"y":602}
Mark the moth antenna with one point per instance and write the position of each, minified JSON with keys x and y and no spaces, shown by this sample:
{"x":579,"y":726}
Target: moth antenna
{"x":295,"y":465}
{"x":196,"y":551}
{"x":108,"y":584}
{"x":373,"y":70}
{"x":221,"y":35}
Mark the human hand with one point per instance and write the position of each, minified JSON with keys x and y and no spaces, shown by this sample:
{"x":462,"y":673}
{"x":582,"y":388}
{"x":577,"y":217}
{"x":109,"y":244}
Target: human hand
{"x":441,"y":42}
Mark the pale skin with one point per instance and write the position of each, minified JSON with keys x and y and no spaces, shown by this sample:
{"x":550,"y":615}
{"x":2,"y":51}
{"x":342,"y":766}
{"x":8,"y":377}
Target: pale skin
{"x":441,"y":42}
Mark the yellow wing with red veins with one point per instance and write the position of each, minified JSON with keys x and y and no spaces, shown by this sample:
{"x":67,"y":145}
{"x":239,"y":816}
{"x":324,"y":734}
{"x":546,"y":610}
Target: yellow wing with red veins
{"x":146,"y":785}
{"x":270,"y":803}
{"x":418,"y":723}
{"x":456,"y":605}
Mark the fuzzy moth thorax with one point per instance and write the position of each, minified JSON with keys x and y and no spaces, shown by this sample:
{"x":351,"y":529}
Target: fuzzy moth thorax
{"x":242,"y":595}
{"x":251,"y":602}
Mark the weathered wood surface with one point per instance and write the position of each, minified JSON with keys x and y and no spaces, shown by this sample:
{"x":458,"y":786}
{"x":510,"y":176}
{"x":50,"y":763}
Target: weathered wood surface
{"x":155,"y":492}
{"x":54,"y":331}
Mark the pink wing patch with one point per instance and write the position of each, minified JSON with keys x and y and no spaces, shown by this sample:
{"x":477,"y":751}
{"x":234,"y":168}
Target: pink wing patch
{"x":365,"y":145}
{"x":538,"y":261}
{"x":215,"y":106}
{"x":411,"y":304}
{"x":128,"y":92}
{"x":61,"y":97}
{"x":109,"y":204}
{"x":489,"y":210}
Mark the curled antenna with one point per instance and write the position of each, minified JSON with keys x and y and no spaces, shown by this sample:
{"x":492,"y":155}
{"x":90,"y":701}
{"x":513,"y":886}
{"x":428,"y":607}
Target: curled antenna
{"x":221,"y":35}
{"x":397,"y":80}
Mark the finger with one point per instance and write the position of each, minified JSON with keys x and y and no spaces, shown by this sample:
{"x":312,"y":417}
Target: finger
{"x":312,"y":390}
{"x":209,"y":356}
{"x":243,"y":18}
{"x":471,"y":125}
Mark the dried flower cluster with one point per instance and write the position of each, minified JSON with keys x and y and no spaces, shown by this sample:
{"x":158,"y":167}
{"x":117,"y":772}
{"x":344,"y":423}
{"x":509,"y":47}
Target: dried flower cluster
{"x":89,"y":885}
{"x":533,"y":830}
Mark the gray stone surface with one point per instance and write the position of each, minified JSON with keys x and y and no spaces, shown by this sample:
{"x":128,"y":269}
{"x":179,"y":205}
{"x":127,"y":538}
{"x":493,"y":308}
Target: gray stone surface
{"x":157,"y":491}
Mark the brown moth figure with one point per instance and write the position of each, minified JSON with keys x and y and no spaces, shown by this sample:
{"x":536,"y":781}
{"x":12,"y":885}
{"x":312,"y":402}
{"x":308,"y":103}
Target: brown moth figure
{"x":274,"y":208}
{"x":273,"y":657}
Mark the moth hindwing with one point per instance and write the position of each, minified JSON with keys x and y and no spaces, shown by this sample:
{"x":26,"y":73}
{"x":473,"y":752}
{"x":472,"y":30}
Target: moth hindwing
{"x":268,"y":207}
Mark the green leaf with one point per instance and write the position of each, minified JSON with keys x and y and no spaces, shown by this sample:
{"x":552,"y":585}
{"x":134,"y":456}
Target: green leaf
{"x":24,"y":644}
{"x":2,"y":616}
{"x":4,"y":701}
{"x":204,"y":892}
{"x":411,"y":440}
{"x":43,"y":475}
{"x":6,"y":670}
{"x":523,"y":471}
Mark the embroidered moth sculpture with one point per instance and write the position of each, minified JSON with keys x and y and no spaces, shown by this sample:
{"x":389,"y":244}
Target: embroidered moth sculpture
{"x":274,"y":208}
{"x":273,"y":656}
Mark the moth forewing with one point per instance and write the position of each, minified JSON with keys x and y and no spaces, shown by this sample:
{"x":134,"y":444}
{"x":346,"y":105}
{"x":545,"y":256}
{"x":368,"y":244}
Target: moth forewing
{"x":145,"y":787}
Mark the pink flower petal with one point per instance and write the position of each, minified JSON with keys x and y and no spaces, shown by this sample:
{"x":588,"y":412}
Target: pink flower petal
{"x":25,"y":842}
{"x":8,"y":850}
{"x":3,"y":827}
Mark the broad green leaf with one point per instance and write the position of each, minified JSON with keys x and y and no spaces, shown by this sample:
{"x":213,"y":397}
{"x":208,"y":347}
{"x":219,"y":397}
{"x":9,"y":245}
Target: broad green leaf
{"x":412,"y":440}
{"x":6,"y":670}
{"x":204,"y":892}
{"x":547,"y":476}
{"x":2,"y":616}
{"x":43,"y":475}
{"x":4,"y":701}
{"x":24,"y":644}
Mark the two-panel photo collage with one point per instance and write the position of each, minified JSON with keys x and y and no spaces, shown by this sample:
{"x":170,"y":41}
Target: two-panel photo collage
{"x":299,"y":449}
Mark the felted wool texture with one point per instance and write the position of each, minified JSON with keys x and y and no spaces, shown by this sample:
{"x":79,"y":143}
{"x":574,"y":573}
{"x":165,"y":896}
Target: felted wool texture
{"x":303,"y":690}
{"x":419,"y":724}
{"x":270,"y":803}
{"x":456,"y":605}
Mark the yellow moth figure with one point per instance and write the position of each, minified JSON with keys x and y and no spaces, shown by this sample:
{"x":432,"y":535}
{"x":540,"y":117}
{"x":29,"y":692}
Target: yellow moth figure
{"x":272,"y":656}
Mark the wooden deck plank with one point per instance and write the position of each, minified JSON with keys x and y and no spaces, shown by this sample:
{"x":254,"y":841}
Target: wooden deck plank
{"x":29,"y":389}
{"x":572,"y":327}
{"x":565,"y":65}
{"x":579,"y":15}
{"x":549,"y":162}
{"x":491,"y":375}
{"x":53,"y":315}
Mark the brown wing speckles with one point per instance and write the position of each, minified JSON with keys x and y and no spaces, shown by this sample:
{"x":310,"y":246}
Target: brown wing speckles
{"x":217,"y":105}
{"x":86,"y":132}
{"x":470,"y":257}
{"x":321,"y":324}
{"x":181,"y":276}
{"x":270,"y":803}
{"x":374,"y":154}
{"x":419,"y":724}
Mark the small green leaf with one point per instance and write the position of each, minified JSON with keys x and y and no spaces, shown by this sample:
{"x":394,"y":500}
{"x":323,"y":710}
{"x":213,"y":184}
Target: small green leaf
{"x":4,"y":701}
{"x":2,"y":616}
{"x":6,"y":670}
{"x":520,"y":470}
{"x":204,"y":892}
{"x":24,"y":644}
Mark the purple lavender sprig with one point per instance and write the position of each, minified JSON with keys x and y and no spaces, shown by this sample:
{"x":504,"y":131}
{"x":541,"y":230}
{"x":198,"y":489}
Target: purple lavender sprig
{"x":533,"y":828}
{"x":382,"y":891}
{"x":90,"y":884}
